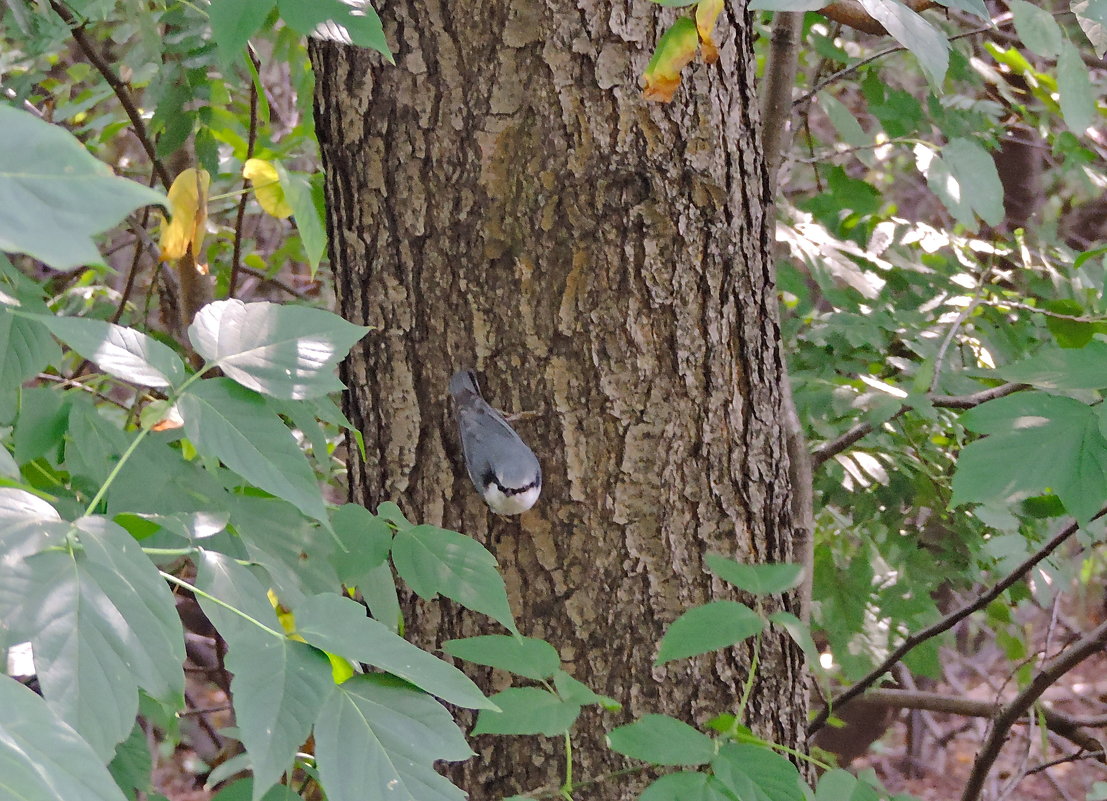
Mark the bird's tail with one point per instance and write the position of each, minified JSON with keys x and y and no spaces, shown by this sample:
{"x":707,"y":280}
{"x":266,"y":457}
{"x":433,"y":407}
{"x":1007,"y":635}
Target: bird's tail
{"x":464,"y":384}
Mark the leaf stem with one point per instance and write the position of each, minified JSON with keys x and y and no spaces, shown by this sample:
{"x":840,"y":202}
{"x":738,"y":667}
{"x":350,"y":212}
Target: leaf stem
{"x":197,"y":591}
{"x":100,"y":493}
{"x":748,"y":687}
{"x":567,"y":787}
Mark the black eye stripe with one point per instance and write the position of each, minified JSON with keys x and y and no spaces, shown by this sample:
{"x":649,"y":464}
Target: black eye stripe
{"x":514,"y":490}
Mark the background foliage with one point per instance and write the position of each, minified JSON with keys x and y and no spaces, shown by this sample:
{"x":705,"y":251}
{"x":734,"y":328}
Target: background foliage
{"x":942,"y":276}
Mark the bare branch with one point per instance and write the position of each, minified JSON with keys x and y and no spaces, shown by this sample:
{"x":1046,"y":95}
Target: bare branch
{"x":251,"y":140}
{"x":117,"y":86}
{"x":820,"y":453}
{"x":1058,"y":722}
{"x":945,"y":624}
{"x":1089,"y":644}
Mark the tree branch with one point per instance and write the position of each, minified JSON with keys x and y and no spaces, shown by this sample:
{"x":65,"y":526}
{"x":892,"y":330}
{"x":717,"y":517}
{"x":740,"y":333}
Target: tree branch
{"x":887,"y":52}
{"x":827,"y":450}
{"x":945,"y":624}
{"x":1058,"y":722}
{"x":853,"y":15}
{"x":1087,"y":645}
{"x":117,"y":86}
{"x":251,"y":140}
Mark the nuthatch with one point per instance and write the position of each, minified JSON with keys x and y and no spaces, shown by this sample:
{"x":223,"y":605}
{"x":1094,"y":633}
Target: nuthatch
{"x":503,"y":468}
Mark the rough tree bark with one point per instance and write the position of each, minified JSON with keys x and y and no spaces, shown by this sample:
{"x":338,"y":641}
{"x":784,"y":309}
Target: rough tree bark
{"x":503,"y":198}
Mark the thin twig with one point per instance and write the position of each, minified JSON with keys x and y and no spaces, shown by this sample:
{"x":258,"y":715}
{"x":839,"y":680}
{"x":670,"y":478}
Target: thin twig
{"x":1073,"y":757}
{"x":896,"y":49}
{"x":1090,"y":643}
{"x":251,"y":140}
{"x":963,"y":315}
{"x":1014,"y":304}
{"x":281,"y":285}
{"x":69,"y":382}
{"x":117,"y":86}
{"x":827,"y":450}
{"x":132,"y":273}
{"x":945,"y":624}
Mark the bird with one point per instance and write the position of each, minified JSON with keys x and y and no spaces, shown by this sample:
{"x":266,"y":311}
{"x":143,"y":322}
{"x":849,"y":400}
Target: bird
{"x":503,"y":468}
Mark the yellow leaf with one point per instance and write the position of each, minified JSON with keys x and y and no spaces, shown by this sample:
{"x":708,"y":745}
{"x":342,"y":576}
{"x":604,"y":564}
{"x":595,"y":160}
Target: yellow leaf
{"x":707,"y":11}
{"x":341,"y":669}
{"x":188,"y":208}
{"x":676,"y":48}
{"x":266,"y":181}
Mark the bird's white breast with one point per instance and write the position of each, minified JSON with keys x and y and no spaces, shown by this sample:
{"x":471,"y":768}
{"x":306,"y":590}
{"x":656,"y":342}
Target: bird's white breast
{"x":504,"y":504}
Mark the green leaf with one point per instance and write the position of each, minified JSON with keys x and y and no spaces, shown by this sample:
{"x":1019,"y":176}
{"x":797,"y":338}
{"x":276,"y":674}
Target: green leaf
{"x":785,"y":5}
{"x":283,"y":351}
{"x":378,"y":738}
{"x":379,"y":591}
{"x":340,"y":626}
{"x":772,"y":776}
{"x":841,"y":785}
{"x":132,"y":763}
{"x":714,"y":625}
{"x":233,"y":22}
{"x":26,"y":347}
{"x":43,"y":759}
{"x":1061,"y":368}
{"x":96,"y":443}
{"x":1037,"y":442}
{"x":310,"y":222}
{"x":844,"y":122}
{"x":297,"y":556}
{"x":912,"y":31}
{"x":99,"y":619}
{"x":436,"y":561}
{"x":41,"y":425}
{"x":977,"y":181}
{"x":247,"y":606}
{"x":1092,"y":16}
{"x":337,"y":22}
{"x":243,"y":789}
{"x":19,"y":507}
{"x":1037,"y":28}
{"x":367,"y":539}
{"x":687,"y":786}
{"x":82,"y":645}
{"x":157,"y":480}
{"x":233,"y":424}
{"x":1068,"y":333}
{"x":756,"y":579}
{"x":524,"y":656}
{"x":662,"y":740}
{"x":799,"y":631}
{"x":279,"y":685}
{"x":133,"y":585}
{"x":579,"y":693}
{"x":972,"y":6}
{"x":1078,"y":99}
{"x":55,"y":195}
{"x":118,"y":351}
{"x":527,"y":710}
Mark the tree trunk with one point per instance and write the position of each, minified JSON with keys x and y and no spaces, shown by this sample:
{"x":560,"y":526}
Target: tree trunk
{"x":503,"y":198}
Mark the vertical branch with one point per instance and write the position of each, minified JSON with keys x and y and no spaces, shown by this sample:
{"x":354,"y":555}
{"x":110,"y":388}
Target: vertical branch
{"x":776,"y":90}
{"x":252,"y":136}
{"x":140,"y":245}
{"x":118,"y":87}
{"x":776,"y":130}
